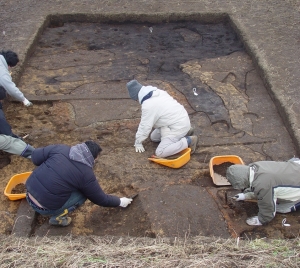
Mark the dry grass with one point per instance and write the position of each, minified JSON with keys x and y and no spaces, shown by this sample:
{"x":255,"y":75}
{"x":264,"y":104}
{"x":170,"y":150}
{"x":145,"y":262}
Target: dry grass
{"x":91,"y":251}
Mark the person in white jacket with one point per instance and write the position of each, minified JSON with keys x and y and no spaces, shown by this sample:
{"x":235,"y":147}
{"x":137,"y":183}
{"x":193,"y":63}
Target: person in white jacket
{"x":170,"y":120}
{"x":9,"y":59}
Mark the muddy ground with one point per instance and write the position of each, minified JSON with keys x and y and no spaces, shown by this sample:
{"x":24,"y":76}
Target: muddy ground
{"x":77,"y":79}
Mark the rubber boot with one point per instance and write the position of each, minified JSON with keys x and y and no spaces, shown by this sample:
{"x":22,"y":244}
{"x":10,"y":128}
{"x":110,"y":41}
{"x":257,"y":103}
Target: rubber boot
{"x":61,"y":220}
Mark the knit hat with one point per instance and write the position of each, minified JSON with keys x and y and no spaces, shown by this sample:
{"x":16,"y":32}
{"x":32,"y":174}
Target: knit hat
{"x":2,"y":93}
{"x":238,"y":176}
{"x":134,"y":88}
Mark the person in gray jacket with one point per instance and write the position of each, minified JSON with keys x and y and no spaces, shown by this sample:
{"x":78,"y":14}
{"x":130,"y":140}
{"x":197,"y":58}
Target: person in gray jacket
{"x":170,"y":120}
{"x":275,"y":185}
{"x":9,"y":59}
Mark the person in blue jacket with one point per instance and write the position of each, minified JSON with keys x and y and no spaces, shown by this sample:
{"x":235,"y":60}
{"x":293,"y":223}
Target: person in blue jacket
{"x":64,"y":180}
{"x":5,"y":127}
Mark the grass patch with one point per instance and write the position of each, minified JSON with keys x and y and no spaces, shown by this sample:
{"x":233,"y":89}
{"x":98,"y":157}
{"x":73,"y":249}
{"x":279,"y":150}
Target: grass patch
{"x":94,"y":251}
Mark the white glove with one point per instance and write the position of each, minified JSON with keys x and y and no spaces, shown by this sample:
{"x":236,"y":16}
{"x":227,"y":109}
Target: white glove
{"x":125,"y":202}
{"x":239,"y":197}
{"x":253,"y":221}
{"x":139,"y":148}
{"x":27,"y":103}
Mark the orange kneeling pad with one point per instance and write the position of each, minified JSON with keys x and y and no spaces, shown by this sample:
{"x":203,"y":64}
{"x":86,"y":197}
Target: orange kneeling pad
{"x":184,"y":157}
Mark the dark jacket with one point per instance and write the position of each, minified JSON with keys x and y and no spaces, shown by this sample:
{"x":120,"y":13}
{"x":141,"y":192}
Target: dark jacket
{"x":5,"y":128}
{"x":57,"y":176}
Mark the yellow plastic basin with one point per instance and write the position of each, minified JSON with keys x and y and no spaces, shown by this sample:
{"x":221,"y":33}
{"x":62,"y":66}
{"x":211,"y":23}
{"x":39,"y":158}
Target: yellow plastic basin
{"x":15,"y":180}
{"x":218,"y":160}
{"x":184,"y":157}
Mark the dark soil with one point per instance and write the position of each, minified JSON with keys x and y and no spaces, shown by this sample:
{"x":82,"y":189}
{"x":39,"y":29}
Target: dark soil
{"x":4,"y":161}
{"x":222,"y":168}
{"x":19,"y":189}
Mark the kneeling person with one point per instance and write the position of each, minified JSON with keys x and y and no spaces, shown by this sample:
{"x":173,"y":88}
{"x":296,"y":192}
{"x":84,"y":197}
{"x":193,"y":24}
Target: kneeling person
{"x":64,"y":180}
{"x":275,"y":185}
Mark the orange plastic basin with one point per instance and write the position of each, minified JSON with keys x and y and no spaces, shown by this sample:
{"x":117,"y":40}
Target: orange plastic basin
{"x":218,"y":160}
{"x":185,"y":156}
{"x":15,"y":180}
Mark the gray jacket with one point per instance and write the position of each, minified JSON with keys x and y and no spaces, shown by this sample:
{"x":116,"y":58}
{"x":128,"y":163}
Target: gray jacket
{"x":274,"y":182}
{"x":15,"y":146}
{"x":7,"y":83}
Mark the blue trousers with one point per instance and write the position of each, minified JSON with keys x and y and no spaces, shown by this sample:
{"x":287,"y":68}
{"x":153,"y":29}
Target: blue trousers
{"x":76,"y":199}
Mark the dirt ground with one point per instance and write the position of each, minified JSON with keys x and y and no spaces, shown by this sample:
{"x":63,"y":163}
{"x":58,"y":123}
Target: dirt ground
{"x":76,"y":78}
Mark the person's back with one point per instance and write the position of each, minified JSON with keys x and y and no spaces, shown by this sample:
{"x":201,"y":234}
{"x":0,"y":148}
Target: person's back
{"x":270,"y":174}
{"x":167,"y":110}
{"x":64,"y":179}
{"x":56,"y":175}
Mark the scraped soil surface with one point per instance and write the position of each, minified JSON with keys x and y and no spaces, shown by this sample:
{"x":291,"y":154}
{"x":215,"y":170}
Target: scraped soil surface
{"x":77,"y":79}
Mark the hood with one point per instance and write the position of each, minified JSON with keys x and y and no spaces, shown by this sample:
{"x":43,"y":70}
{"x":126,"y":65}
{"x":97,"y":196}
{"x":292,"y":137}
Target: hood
{"x":238,"y":176}
{"x":144,"y":91}
{"x":81,"y":153}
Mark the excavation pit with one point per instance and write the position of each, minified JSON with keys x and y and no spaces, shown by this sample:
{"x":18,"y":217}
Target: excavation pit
{"x":77,"y":79}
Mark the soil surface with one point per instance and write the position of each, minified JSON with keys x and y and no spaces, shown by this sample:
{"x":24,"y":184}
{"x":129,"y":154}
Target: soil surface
{"x":76,"y":77}
{"x":19,"y":189}
{"x":222,"y":168}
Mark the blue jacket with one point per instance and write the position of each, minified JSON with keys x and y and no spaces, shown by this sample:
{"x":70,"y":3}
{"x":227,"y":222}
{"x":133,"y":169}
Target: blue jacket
{"x":5,"y":128}
{"x":57,"y":176}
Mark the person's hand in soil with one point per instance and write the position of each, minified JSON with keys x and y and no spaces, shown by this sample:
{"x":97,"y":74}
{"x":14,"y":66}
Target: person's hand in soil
{"x":139,"y":148}
{"x":254,"y":221}
{"x":125,"y":202}
{"x":27,"y":103}
{"x":244,"y":196}
{"x":239,"y":197}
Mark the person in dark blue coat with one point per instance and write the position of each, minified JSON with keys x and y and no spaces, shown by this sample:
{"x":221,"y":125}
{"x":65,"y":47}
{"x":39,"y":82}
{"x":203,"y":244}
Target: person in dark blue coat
{"x":5,"y":127}
{"x":64,"y":179}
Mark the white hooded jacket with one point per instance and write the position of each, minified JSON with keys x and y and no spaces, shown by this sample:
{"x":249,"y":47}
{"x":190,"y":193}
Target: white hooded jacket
{"x":7,"y":83}
{"x":160,"y":111}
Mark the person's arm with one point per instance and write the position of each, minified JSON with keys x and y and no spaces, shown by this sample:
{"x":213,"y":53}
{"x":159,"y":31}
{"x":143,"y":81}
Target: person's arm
{"x":145,"y":126}
{"x":12,"y":145}
{"x":12,"y":89}
{"x":40,"y":155}
{"x":94,"y":193}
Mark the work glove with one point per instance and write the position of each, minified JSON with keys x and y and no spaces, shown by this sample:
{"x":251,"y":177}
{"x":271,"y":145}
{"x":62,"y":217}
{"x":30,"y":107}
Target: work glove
{"x":244,"y":196}
{"x":253,"y":221}
{"x":125,"y":202}
{"x":139,"y":148}
{"x":27,"y":103}
{"x":239,"y":197}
